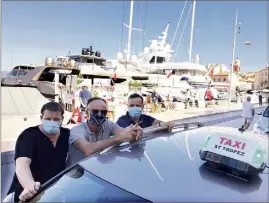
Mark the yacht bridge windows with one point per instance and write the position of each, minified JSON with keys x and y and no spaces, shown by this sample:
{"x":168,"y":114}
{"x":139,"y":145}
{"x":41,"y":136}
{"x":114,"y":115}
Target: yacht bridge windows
{"x":178,"y":72}
{"x":89,"y":59}
{"x":158,"y":59}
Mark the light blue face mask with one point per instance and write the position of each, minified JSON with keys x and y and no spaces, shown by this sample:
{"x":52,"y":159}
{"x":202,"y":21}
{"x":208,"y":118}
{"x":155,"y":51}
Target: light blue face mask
{"x":135,"y":112}
{"x":51,"y":127}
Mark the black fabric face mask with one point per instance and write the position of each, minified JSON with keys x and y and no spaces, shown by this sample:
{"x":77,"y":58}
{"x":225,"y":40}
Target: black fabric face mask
{"x":98,"y":117}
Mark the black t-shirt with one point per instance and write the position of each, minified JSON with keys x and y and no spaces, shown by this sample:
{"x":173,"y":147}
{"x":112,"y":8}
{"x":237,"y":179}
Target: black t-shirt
{"x":46,"y":160}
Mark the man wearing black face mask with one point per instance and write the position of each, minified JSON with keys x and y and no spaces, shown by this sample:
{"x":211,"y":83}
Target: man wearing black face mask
{"x":40,"y":153}
{"x":95,"y":134}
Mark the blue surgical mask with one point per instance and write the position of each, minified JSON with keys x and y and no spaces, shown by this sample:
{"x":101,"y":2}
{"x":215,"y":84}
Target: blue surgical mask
{"x":135,"y":112}
{"x":51,"y":127}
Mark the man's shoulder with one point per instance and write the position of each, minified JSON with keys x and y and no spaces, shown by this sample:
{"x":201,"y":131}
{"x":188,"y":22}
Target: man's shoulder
{"x":110,"y":123}
{"x":123,"y":117}
{"x":245,"y":102}
{"x":65,"y":130}
{"x":31,"y":130}
{"x":77,"y":128}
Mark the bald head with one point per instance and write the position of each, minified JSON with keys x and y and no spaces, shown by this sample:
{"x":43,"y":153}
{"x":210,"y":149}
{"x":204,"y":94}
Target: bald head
{"x":248,"y":98}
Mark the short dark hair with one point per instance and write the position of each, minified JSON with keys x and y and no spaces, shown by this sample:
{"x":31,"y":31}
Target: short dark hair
{"x":135,"y":95}
{"x":94,"y":99}
{"x":52,"y":106}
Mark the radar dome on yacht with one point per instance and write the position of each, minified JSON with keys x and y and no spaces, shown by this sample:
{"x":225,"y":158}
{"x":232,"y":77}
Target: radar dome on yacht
{"x":98,"y":53}
{"x":49,"y":61}
{"x":134,"y":58}
{"x":119,"y":55}
{"x":146,"y":50}
{"x":73,"y":63}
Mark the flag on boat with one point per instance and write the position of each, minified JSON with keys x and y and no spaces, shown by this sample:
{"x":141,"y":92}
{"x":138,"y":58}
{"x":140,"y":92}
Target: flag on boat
{"x":171,"y":73}
{"x":114,"y":76}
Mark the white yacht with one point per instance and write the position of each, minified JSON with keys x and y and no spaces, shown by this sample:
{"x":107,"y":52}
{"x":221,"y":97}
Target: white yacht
{"x":157,"y":61}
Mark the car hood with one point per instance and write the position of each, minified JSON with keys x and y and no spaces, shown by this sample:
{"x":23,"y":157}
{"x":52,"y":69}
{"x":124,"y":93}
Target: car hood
{"x":167,"y":167}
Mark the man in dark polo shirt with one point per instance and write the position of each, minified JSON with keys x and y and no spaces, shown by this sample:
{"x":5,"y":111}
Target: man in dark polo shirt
{"x":40,"y":153}
{"x":134,"y":115}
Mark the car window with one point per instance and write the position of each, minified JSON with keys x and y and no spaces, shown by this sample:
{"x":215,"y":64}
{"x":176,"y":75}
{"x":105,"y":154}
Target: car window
{"x":78,"y":185}
{"x":266,"y":112}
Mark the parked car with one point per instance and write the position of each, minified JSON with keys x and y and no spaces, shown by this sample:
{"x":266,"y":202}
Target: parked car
{"x":164,"y":167}
{"x":262,"y":125}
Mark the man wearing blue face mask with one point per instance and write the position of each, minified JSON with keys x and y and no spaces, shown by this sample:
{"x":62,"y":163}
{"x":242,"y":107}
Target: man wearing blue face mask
{"x":135,"y":116}
{"x":97,"y":133}
{"x":40,"y":153}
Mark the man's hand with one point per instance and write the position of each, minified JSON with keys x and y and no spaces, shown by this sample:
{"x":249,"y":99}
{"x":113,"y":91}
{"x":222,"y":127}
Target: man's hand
{"x":170,"y":125}
{"x":138,"y":129}
{"x":131,"y":133}
{"x":29,"y":192}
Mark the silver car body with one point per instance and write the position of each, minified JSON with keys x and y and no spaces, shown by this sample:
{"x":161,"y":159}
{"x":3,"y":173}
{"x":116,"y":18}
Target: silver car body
{"x":166,"y":167}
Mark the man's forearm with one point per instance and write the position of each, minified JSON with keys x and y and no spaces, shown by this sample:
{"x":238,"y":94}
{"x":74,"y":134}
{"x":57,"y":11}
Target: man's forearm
{"x":101,"y":145}
{"x":24,"y":175}
{"x":158,"y":123}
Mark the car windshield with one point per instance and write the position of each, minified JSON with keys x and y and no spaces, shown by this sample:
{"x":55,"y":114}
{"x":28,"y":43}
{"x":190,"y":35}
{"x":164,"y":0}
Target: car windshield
{"x":266,"y":112}
{"x":78,"y":185}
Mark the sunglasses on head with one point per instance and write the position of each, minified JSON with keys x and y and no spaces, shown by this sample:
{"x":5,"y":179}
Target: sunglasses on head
{"x":96,"y":111}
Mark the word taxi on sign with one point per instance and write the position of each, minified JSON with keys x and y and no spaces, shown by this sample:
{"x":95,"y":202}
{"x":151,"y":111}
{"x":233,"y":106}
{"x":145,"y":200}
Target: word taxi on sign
{"x":232,"y":146}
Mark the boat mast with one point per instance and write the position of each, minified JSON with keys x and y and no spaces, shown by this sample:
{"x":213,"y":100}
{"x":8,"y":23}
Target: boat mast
{"x":192,"y":26}
{"x":128,"y":53}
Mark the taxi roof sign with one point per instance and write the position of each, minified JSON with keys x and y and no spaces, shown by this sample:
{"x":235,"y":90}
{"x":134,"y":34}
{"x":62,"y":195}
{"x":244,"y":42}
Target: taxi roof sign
{"x":239,"y":148}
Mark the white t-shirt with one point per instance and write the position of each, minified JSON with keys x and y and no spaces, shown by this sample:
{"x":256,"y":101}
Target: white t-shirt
{"x":247,"y":109}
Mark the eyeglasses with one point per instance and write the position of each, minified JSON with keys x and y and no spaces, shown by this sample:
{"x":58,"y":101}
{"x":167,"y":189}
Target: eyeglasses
{"x":96,"y":111}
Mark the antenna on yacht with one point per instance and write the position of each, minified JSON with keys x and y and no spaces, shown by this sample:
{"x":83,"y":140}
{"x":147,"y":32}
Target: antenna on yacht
{"x":164,"y":35}
{"x":128,"y":50}
{"x":192,"y":26}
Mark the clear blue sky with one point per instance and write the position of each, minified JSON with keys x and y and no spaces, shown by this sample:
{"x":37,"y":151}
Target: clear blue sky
{"x":32,"y":30}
